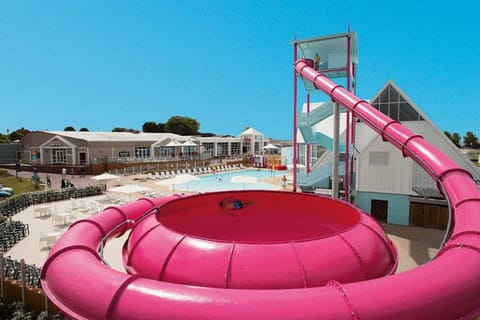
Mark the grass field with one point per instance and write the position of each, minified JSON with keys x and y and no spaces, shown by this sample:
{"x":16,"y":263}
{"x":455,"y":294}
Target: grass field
{"x":19,"y":185}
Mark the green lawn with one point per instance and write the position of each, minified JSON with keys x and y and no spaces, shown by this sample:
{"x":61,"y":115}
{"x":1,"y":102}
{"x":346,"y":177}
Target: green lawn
{"x":20,"y":185}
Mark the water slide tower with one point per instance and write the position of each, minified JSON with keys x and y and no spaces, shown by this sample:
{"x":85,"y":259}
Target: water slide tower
{"x":335,"y":56}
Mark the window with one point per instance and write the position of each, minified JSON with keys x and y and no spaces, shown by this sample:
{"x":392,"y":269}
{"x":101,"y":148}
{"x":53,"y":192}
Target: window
{"x":82,"y":157}
{"x":395,"y":106}
{"x":59,"y":156}
{"x":208,"y":148}
{"x":379,"y":158}
{"x":142,"y":152}
{"x":235,"y":148}
{"x":222,"y":149}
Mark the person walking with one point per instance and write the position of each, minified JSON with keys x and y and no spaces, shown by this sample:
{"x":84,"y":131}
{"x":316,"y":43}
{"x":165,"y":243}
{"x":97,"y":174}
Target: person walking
{"x":49,"y":182}
{"x":284,"y":182}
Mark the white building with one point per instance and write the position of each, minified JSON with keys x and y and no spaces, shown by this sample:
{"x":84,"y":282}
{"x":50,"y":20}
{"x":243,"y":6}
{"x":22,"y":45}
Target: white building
{"x":83,"y":149}
{"x":392,"y":188}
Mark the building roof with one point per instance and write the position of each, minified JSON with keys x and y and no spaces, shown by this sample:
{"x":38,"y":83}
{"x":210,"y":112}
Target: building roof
{"x":115,"y":136}
{"x":251,"y":132}
{"x":393,"y":102}
{"x":428,"y":193}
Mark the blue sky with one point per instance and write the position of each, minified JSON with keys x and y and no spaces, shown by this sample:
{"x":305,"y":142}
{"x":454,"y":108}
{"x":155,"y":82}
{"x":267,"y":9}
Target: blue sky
{"x":228,"y":64}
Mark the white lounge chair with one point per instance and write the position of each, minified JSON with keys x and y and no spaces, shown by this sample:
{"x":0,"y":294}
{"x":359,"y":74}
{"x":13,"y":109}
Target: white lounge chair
{"x":74,"y":204}
{"x":83,"y":207}
{"x":94,"y":208}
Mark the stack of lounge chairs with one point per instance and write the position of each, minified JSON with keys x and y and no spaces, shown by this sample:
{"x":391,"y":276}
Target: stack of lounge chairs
{"x":12,"y":269}
{"x":194,"y":171}
{"x":12,"y":232}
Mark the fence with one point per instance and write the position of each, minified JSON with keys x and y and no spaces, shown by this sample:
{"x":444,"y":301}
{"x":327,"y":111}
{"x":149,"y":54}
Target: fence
{"x":21,"y":282}
{"x":17,"y":203}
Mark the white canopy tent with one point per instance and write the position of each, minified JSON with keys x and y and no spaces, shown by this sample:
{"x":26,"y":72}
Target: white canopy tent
{"x":270,"y":146}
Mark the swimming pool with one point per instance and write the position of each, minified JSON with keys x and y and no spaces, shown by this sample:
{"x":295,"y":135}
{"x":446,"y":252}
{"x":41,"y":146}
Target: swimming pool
{"x":221,"y":181}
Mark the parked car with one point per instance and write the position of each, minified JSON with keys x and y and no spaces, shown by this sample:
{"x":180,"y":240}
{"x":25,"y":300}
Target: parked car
{"x":6,"y":189}
{"x":4,"y":194}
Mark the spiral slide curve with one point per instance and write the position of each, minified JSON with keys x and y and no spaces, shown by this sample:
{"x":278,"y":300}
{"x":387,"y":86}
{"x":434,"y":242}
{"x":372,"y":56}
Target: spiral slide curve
{"x":76,"y":280}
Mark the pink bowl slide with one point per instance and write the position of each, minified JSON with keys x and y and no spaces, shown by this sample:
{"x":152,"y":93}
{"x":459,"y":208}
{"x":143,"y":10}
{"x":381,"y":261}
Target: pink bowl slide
{"x":271,"y":254}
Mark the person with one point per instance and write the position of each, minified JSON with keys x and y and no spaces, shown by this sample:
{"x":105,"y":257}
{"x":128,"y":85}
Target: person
{"x":63,"y":184}
{"x":284,"y":182}
{"x":35,"y":177}
{"x":317,"y":62}
{"x":229,"y":204}
{"x":49,"y":182}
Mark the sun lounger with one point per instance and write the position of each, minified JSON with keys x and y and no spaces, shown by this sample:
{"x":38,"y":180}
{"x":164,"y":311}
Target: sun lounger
{"x":164,"y":175}
{"x":94,"y":208}
{"x":74,"y":204}
{"x":83,"y":206}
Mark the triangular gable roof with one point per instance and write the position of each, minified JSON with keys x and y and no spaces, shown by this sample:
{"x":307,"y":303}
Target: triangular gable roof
{"x":418,"y":122}
{"x":393,"y":102}
{"x":63,"y":140}
{"x":250,"y":132}
{"x":390,"y":91}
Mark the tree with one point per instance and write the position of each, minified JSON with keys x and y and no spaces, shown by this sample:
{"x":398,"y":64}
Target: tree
{"x":470,"y":140}
{"x":207,"y":134}
{"x":455,"y":138}
{"x":448,"y":134}
{"x":70,"y":128}
{"x":184,"y":126}
{"x":124,"y":130}
{"x":18,"y":134}
{"x":4,"y":138}
{"x":151,"y":126}
{"x":84,"y":130}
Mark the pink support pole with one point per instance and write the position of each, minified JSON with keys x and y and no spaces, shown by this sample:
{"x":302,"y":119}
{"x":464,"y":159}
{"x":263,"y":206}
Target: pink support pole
{"x":294,"y":156}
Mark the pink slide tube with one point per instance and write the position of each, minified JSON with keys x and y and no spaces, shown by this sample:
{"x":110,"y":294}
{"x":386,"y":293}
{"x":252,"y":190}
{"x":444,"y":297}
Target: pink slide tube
{"x":446,"y":288}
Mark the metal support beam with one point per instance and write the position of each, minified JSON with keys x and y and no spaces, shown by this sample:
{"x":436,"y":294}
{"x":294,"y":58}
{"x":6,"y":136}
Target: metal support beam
{"x":336,"y":149}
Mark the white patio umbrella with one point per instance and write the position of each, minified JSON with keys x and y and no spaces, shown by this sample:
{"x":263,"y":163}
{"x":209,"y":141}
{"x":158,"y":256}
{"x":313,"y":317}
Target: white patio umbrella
{"x":189,"y":143}
{"x":243,"y":179}
{"x":131,"y":188}
{"x":270,"y":146}
{"x":182,"y":178}
{"x":173,"y":143}
{"x":105,"y":176}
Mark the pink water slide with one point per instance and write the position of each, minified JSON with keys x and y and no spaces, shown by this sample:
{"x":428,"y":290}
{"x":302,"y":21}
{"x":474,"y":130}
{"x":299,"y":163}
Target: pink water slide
{"x":271,"y":254}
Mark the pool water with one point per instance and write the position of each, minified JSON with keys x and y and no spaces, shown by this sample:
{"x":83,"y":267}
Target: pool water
{"x":221,"y":181}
